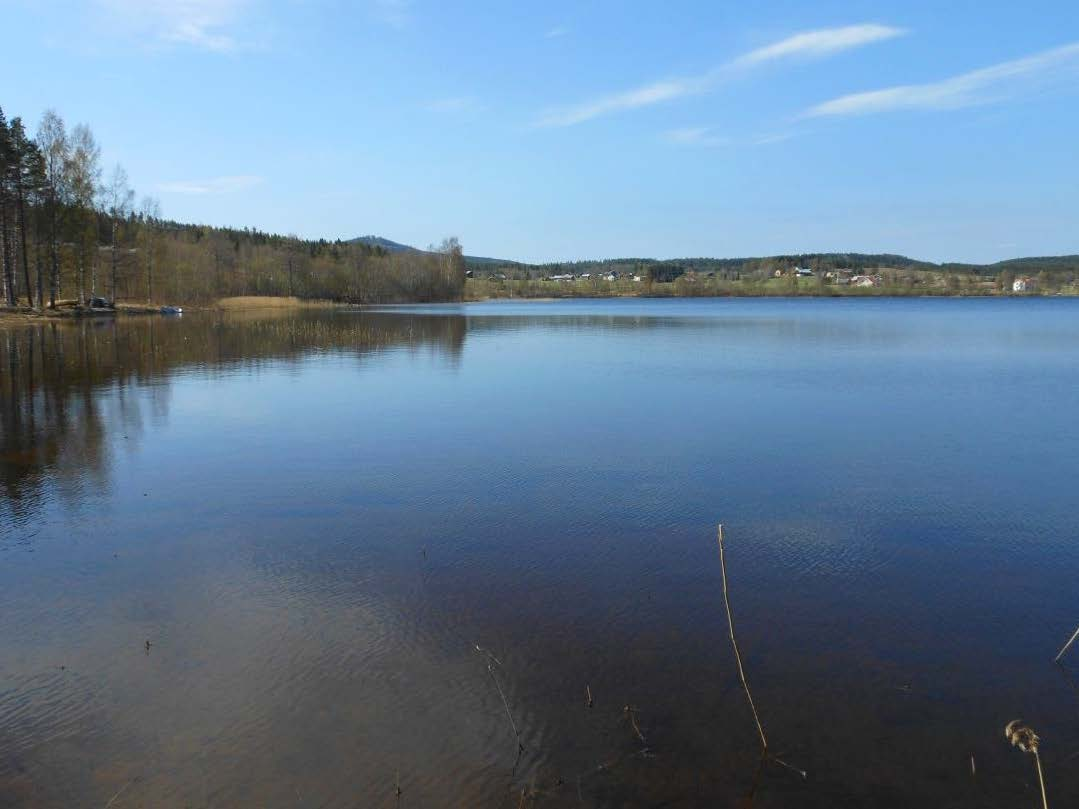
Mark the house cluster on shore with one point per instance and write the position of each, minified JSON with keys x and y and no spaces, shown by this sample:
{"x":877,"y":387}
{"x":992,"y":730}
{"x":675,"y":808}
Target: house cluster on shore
{"x":587,"y":276}
{"x":837,"y":277}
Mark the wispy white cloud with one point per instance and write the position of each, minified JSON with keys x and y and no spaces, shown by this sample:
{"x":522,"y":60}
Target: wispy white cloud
{"x":696,"y":136}
{"x":644,"y":96}
{"x":216,"y":185}
{"x":556,"y":32}
{"x":987,"y":85}
{"x":808,"y":44}
{"x":709,"y":136}
{"x":205,"y":24}
{"x":822,"y":42}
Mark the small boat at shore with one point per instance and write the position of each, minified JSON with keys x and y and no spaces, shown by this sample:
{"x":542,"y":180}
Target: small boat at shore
{"x":172,"y":310}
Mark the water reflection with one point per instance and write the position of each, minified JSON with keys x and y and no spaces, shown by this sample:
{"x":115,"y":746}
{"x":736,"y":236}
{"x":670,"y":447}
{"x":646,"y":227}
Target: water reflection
{"x":69,"y":388}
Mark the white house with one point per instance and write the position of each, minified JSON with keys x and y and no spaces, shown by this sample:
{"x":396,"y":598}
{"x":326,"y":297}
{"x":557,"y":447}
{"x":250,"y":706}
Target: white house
{"x":803,"y":272}
{"x":1024,"y":284}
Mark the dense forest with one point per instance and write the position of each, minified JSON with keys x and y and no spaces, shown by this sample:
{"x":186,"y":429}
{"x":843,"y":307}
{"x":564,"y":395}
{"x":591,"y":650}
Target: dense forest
{"x":70,"y":237}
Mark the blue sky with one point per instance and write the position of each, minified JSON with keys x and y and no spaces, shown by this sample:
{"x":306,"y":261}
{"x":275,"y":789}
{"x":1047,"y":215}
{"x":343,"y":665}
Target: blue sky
{"x":558,"y":130}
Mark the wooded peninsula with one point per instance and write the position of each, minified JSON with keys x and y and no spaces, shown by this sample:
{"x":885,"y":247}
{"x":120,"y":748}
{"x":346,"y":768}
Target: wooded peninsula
{"x":68,"y":238}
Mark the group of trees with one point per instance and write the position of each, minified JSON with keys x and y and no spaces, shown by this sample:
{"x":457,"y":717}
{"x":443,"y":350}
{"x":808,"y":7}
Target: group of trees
{"x":68,"y":236}
{"x":22,"y":171}
{"x":53,"y":208}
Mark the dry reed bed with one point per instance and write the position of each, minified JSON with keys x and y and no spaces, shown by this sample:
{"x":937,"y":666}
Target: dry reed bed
{"x":247,"y":302}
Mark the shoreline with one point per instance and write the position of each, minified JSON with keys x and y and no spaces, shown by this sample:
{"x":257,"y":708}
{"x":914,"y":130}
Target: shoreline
{"x":24,"y":314}
{"x":767,"y":296}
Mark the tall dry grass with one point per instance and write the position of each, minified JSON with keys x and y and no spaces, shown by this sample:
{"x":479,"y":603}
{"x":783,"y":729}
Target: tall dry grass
{"x":246,"y":302}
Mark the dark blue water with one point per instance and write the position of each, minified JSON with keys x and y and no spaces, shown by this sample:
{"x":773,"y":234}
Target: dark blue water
{"x":315,"y":517}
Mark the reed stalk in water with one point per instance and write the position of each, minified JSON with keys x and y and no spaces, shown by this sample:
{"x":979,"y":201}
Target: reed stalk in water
{"x":491,"y":659}
{"x":632,"y":714}
{"x":741,"y":670}
{"x":1071,"y":640}
{"x":734,"y":643}
{"x":120,"y":792}
{"x":1027,"y":740}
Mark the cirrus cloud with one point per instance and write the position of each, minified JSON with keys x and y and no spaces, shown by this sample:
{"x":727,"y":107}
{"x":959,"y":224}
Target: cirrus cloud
{"x":204,"y":24}
{"x":990,"y":84}
{"x":822,"y":42}
{"x":808,"y":44}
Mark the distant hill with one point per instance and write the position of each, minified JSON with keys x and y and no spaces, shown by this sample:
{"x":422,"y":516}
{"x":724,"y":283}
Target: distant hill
{"x":385,"y":244}
{"x":396,"y":247}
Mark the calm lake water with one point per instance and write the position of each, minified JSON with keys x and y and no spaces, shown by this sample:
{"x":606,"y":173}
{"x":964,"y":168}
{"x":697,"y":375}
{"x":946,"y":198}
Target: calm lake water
{"x":315,"y":517}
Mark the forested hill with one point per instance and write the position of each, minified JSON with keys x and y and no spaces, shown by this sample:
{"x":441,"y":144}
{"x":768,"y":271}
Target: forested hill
{"x":1031,"y":266}
{"x":396,"y":247}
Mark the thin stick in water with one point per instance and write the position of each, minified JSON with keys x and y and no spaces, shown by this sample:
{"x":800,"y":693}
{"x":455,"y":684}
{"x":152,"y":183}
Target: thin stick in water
{"x":632,"y":714}
{"x":1071,"y":640}
{"x":509,"y":715}
{"x":791,"y":767}
{"x":120,"y":792}
{"x":734,"y":643}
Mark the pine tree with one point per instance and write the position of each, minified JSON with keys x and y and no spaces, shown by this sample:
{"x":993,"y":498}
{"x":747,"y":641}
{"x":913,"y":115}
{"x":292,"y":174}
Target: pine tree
{"x":7,"y":260}
{"x":22,"y":160}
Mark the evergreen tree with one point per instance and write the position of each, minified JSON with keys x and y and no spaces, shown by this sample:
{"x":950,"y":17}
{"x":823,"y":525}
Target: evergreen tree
{"x":7,"y":260}
{"x":23,"y":159}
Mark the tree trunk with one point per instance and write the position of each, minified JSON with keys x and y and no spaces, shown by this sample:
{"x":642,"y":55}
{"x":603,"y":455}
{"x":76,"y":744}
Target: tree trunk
{"x":114,"y":260}
{"x":38,"y":267}
{"x":5,"y":256}
{"x":54,"y":272}
{"x":54,"y":252}
{"x":150,"y":268}
{"x":22,"y":235}
{"x":82,"y":276}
